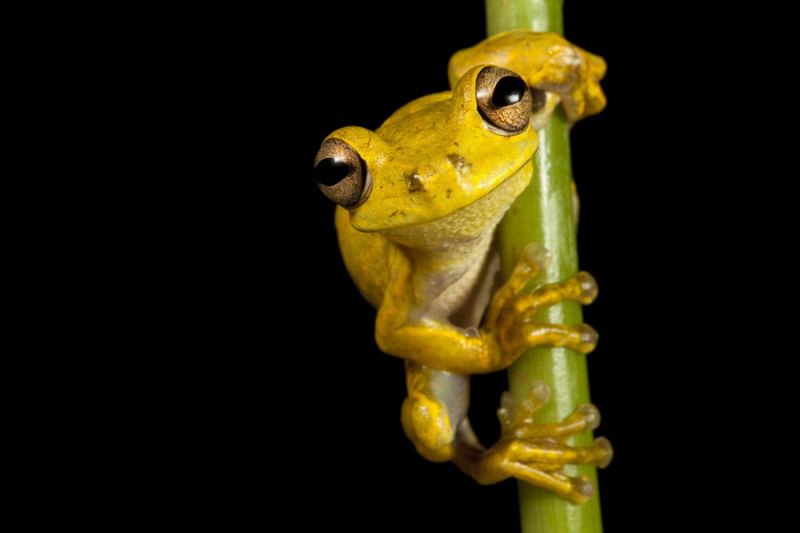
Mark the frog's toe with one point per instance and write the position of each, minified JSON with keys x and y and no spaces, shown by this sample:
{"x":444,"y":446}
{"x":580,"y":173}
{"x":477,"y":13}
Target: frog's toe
{"x":581,"y":288}
{"x":588,"y":288}
{"x":508,"y":414}
{"x":589,"y":415}
{"x":536,"y":256}
{"x":582,"y":488}
{"x":550,"y":456}
{"x":576,"y":489}
{"x":581,"y":338}
{"x":607,"y":452}
{"x":588,"y":338}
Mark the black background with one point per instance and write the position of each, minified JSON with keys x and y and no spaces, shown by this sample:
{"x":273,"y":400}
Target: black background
{"x":274,"y":402}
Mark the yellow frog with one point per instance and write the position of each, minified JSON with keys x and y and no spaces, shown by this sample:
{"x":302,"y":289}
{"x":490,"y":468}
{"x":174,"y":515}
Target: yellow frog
{"x":418,"y":203}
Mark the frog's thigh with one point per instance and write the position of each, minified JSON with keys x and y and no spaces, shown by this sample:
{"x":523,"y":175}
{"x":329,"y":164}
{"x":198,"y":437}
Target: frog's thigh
{"x":436,"y":405}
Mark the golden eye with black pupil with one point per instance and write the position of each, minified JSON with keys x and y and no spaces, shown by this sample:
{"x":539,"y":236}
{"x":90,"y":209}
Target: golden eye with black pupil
{"x":504,"y":100}
{"x":342,"y":174}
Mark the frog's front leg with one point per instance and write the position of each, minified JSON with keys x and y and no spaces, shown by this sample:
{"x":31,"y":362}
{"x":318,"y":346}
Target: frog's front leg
{"x":420,"y":335}
{"x":512,"y":309}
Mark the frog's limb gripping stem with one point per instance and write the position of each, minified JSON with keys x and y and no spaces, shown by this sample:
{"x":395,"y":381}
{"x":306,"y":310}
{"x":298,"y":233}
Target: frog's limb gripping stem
{"x":511,"y":313}
{"x":435,"y":413}
{"x":508,"y":329}
{"x":536,"y":453}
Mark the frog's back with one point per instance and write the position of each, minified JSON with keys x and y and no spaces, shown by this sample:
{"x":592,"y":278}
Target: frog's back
{"x":366,"y":257}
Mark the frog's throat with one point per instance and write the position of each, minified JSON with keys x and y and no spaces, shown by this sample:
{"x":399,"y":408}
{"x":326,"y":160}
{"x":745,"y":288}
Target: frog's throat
{"x":467,"y":226}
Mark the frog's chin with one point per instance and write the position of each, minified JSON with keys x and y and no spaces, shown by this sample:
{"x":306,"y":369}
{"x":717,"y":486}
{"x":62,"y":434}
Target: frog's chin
{"x":476,"y":220}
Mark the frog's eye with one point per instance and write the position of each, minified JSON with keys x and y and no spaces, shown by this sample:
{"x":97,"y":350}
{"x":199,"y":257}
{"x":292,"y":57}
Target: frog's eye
{"x":504,"y":99}
{"x":341,"y":174}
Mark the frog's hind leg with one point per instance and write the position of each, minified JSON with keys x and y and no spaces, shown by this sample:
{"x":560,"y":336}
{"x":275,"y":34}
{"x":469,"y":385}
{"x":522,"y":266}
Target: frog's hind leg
{"x":435,"y":419}
{"x":436,"y":405}
{"x":533,"y":452}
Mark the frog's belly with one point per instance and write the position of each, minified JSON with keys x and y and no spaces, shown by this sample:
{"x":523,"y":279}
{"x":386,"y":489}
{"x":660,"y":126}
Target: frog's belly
{"x":465,"y":300}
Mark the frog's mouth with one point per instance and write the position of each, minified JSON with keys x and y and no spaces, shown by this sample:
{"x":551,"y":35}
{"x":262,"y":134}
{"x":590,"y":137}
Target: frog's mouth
{"x":472,"y":221}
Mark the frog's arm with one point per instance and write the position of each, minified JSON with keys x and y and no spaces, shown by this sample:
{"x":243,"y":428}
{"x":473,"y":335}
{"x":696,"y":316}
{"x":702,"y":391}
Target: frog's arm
{"x":547,"y":62}
{"x":417,"y":335}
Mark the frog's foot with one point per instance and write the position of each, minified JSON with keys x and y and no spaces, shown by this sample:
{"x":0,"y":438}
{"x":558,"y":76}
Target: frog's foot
{"x":511,"y":314}
{"x":536,"y":453}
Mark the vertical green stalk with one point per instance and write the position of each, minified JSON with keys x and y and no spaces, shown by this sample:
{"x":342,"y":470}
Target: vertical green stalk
{"x":543,"y":213}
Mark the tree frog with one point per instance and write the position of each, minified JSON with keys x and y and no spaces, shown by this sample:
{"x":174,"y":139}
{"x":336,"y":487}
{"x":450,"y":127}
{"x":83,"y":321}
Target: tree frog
{"x":418,"y":203}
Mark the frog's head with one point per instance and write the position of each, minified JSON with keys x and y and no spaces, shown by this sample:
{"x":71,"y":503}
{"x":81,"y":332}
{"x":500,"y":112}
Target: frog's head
{"x":435,"y":156}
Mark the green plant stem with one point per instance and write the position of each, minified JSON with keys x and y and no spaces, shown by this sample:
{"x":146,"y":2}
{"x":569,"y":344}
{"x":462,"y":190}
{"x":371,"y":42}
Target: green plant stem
{"x":543,"y":213}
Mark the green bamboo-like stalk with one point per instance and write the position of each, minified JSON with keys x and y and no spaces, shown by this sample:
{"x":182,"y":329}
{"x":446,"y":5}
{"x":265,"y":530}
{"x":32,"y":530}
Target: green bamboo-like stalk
{"x":543,"y":213}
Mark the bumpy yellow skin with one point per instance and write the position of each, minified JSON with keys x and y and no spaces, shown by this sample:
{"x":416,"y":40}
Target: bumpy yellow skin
{"x":569,"y":74}
{"x":420,"y":249}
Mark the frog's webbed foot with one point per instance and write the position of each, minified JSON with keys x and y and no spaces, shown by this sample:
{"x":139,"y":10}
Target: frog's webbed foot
{"x":511,"y":313}
{"x":573,"y":76}
{"x":536,"y":453}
